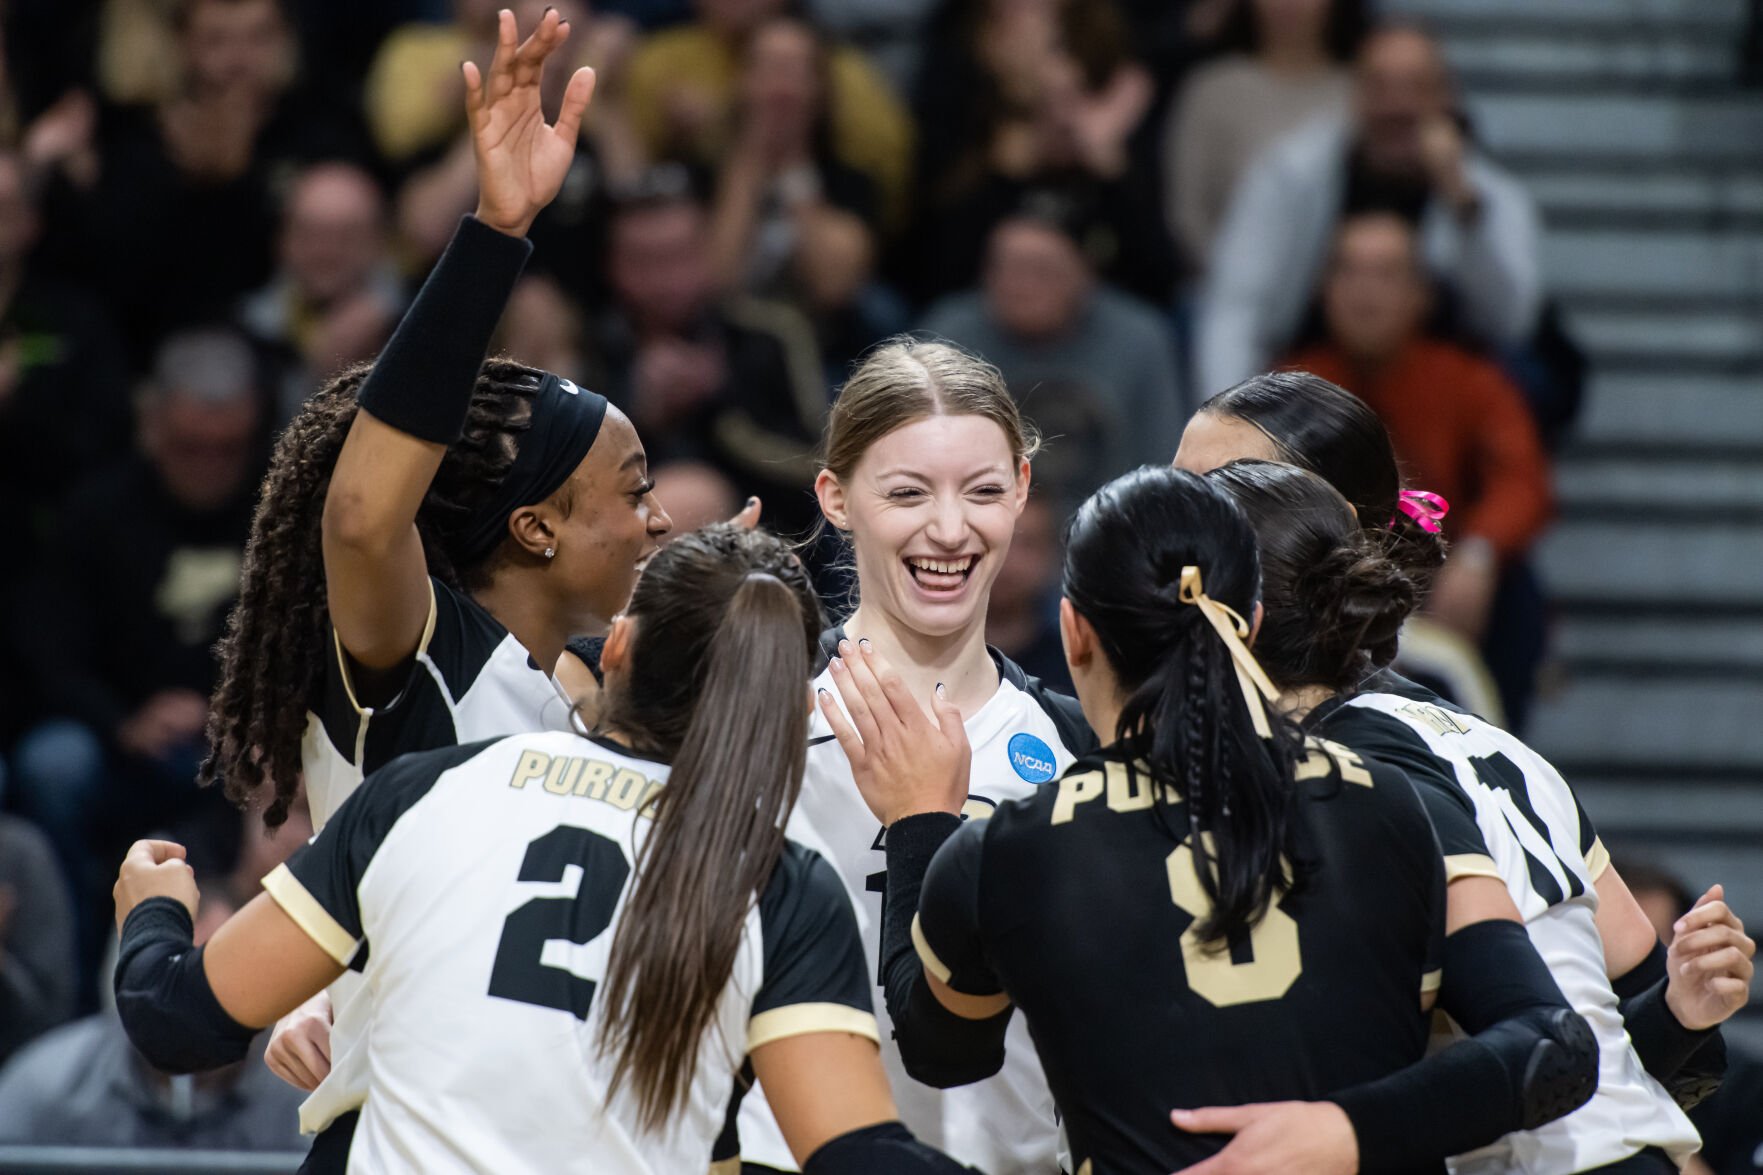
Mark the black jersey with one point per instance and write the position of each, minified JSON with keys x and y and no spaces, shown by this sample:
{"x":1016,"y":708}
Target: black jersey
{"x":1081,"y":902}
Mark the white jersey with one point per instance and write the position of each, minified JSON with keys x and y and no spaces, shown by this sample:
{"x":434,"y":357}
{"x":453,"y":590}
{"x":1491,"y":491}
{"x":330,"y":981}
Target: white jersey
{"x":1023,"y":737}
{"x":1501,"y":810}
{"x":471,"y":680}
{"x":479,"y":889}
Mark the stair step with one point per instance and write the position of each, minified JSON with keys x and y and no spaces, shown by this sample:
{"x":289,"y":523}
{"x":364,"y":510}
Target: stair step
{"x":1675,"y":564}
{"x":1515,"y":15}
{"x":1619,"y":125}
{"x":1568,"y":59}
{"x":1678,"y":645}
{"x":1671,"y":409}
{"x":1717,"y":488}
{"x":1699,"y":340}
{"x":1631,"y":262}
{"x":1692,"y":725}
{"x":1714,"y":197}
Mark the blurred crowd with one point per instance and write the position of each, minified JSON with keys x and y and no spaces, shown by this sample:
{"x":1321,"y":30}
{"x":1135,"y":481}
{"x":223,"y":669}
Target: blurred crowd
{"x":210,"y":207}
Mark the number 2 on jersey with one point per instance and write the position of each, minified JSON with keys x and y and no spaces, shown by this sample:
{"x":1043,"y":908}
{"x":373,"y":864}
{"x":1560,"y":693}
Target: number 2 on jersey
{"x":519,"y":972}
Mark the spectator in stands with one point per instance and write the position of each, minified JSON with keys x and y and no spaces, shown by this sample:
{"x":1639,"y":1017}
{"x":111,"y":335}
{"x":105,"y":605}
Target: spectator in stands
{"x":684,"y":86}
{"x":695,"y":494}
{"x":1285,"y":66}
{"x":416,"y":101}
{"x":781,"y":169}
{"x":37,"y":965}
{"x":118,"y":622}
{"x":1022,"y":619}
{"x":891,"y":32}
{"x":336,"y":293}
{"x":1093,"y":367}
{"x":85,"y":1085}
{"x":835,"y":286}
{"x":56,"y":350}
{"x":731,"y":381}
{"x":1402,"y":150}
{"x":1460,"y":428}
{"x":188,"y":172}
{"x":1035,"y":95}
{"x":1731,"y":1120}
{"x":542,"y":327}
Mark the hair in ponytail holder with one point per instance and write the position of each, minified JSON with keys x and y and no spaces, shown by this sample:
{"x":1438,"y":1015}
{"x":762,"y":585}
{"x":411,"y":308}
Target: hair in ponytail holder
{"x":1425,"y":508}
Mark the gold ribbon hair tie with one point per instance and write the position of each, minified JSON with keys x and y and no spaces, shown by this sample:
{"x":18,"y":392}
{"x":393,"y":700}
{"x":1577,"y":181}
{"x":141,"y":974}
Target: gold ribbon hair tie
{"x":1233,"y":630}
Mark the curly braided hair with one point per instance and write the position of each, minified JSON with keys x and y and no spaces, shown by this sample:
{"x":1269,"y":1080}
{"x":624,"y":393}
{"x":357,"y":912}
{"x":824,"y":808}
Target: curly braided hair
{"x":272,"y":656}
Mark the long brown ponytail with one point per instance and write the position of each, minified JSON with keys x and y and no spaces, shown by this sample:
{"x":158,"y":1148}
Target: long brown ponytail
{"x":726,"y":629}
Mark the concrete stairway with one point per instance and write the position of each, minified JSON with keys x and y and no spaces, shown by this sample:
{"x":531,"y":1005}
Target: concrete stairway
{"x":1624,"y":118}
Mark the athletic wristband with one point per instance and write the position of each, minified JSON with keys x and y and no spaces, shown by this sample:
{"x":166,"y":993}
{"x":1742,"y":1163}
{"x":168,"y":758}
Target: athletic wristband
{"x":911,"y":844}
{"x":887,"y":1148}
{"x":422,"y":382}
{"x":155,"y":918}
{"x":163,"y":996}
{"x":1688,"y":1062}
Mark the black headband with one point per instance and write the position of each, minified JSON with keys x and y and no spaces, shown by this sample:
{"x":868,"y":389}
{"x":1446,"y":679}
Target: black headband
{"x":565,"y":421}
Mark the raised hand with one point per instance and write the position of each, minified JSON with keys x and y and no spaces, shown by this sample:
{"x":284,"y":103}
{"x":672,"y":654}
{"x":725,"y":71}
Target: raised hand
{"x":521,"y":161}
{"x":904,"y":761}
{"x":1709,"y":963}
{"x":153,"y":869}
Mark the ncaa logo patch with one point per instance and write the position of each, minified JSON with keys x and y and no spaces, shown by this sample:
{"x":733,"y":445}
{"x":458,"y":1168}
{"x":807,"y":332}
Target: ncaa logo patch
{"x":1031,"y":758}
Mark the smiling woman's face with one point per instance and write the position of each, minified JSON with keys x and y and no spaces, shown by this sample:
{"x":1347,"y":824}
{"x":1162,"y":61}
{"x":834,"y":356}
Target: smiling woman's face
{"x":930,"y":508}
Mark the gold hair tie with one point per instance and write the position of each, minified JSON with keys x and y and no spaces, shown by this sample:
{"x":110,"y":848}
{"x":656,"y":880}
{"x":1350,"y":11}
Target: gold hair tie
{"x":1233,"y":629}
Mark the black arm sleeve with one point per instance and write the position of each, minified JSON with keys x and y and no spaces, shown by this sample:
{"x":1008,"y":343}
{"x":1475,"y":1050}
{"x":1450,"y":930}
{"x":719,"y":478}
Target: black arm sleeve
{"x":421,"y":384}
{"x":1689,"y":1064}
{"x":1530,"y":1059}
{"x":937,"y":1047}
{"x":163,"y":997}
{"x":886,"y":1148}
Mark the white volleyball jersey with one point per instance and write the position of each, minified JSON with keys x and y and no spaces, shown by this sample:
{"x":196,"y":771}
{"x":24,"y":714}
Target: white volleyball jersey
{"x":1023,"y":737}
{"x":471,"y":680}
{"x":478,"y":889}
{"x":1501,"y":810}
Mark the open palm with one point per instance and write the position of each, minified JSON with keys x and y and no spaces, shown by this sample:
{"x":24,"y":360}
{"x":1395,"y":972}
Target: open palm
{"x":521,"y":161}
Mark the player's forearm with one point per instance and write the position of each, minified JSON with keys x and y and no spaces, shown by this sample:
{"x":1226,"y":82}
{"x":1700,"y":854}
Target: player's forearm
{"x":163,"y":997}
{"x":1530,"y":1059}
{"x":1689,"y":1064}
{"x":887,"y":1148}
{"x":937,"y":1046}
{"x":421,"y":385}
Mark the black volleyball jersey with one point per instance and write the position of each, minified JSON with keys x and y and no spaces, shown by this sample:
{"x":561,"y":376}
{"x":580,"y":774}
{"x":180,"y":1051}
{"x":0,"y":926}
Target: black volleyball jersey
{"x":1081,"y":902}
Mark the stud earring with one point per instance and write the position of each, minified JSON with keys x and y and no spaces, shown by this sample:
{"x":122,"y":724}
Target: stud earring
{"x":550,"y":552}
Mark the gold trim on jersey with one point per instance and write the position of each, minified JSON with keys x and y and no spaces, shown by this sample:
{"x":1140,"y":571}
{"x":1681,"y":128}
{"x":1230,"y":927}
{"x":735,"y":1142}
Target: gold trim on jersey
{"x":1470,"y":865}
{"x":297,"y":903}
{"x":938,"y":969}
{"x":1431,"y":980}
{"x":1598,"y":859}
{"x":422,"y":646}
{"x":804,"y":1019}
{"x":726,"y":1166}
